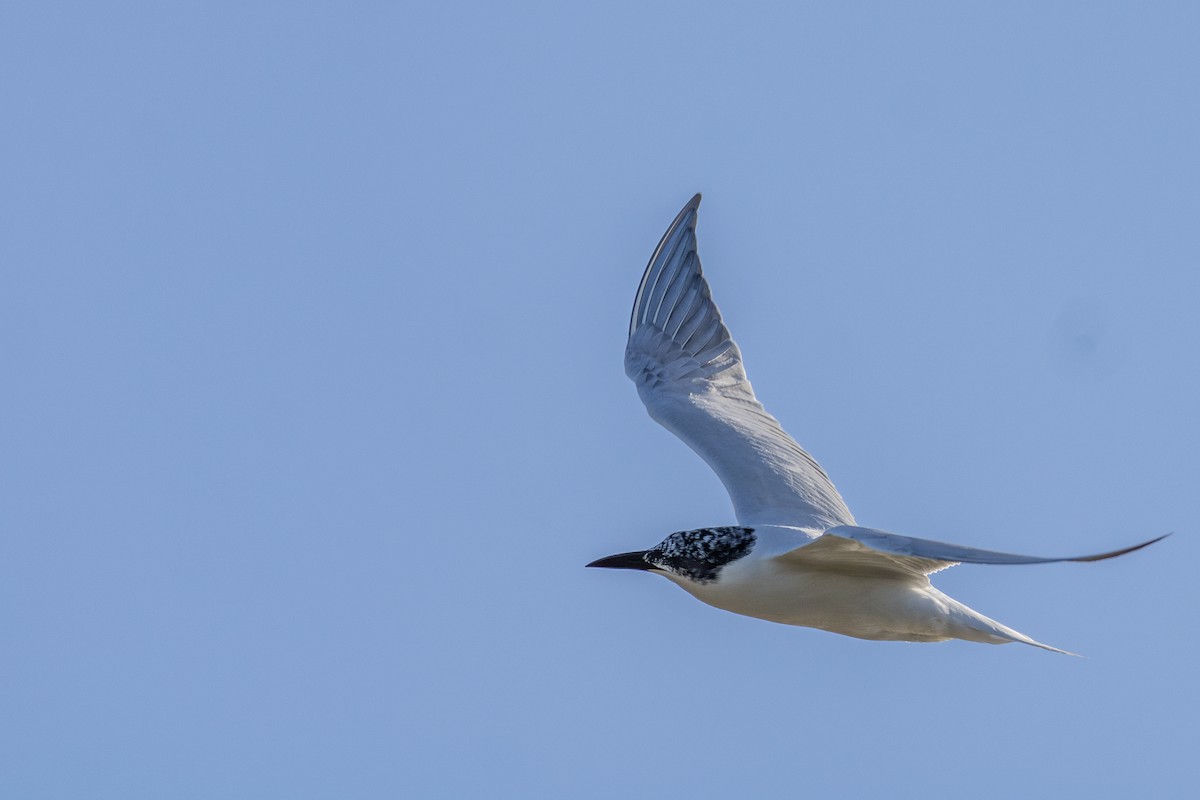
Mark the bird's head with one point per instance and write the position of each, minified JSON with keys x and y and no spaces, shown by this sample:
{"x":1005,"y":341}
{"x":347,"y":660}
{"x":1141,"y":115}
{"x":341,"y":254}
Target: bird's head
{"x":697,"y":556}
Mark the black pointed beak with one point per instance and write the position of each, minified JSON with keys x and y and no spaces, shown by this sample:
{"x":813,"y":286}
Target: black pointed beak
{"x":634,"y":560}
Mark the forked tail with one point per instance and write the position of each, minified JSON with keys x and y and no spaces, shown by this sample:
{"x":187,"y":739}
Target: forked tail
{"x":979,"y":628}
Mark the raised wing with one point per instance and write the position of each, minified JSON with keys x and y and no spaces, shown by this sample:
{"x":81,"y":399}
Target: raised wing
{"x":866,"y":551}
{"x":689,"y":375}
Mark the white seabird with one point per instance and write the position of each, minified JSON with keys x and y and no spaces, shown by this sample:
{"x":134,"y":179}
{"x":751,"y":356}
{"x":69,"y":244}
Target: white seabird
{"x":796,"y":555}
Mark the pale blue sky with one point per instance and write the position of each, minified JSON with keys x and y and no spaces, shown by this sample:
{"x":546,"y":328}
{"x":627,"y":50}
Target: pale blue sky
{"x":311,"y":330}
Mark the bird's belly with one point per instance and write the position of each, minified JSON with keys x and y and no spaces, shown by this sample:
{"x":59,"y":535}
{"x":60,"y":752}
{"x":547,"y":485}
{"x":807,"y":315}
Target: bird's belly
{"x":864,"y":607}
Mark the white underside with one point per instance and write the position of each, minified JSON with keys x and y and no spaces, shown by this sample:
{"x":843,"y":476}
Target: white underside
{"x":879,"y":607}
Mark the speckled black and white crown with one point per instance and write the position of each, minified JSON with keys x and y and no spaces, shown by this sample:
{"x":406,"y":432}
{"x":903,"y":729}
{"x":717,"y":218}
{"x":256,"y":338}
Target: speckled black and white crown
{"x":700,"y":554}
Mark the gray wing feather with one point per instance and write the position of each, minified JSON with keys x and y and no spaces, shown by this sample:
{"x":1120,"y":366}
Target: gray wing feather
{"x":689,"y":374}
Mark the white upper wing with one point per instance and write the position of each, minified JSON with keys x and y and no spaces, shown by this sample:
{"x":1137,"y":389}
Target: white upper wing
{"x":689,"y":374}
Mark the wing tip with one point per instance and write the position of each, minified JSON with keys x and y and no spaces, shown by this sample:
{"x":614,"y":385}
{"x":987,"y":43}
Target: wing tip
{"x":1123,"y":550}
{"x":689,"y":208}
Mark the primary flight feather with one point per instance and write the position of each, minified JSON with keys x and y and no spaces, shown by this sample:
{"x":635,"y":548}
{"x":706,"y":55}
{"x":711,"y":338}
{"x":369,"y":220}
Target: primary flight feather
{"x":796,"y":555}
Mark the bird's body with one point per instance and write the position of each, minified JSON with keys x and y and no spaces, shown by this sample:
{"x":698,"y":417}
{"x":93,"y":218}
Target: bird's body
{"x":866,"y":605}
{"x":797,"y":556}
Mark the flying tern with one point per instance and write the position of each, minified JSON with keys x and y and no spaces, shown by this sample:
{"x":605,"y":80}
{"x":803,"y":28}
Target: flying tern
{"x":796,"y":555}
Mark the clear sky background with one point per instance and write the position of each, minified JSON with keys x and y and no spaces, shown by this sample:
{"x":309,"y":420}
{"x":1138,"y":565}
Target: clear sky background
{"x":311,"y":335}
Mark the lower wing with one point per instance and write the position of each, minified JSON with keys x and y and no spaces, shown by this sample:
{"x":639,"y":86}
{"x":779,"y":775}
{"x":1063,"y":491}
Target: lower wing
{"x":848,"y":548}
